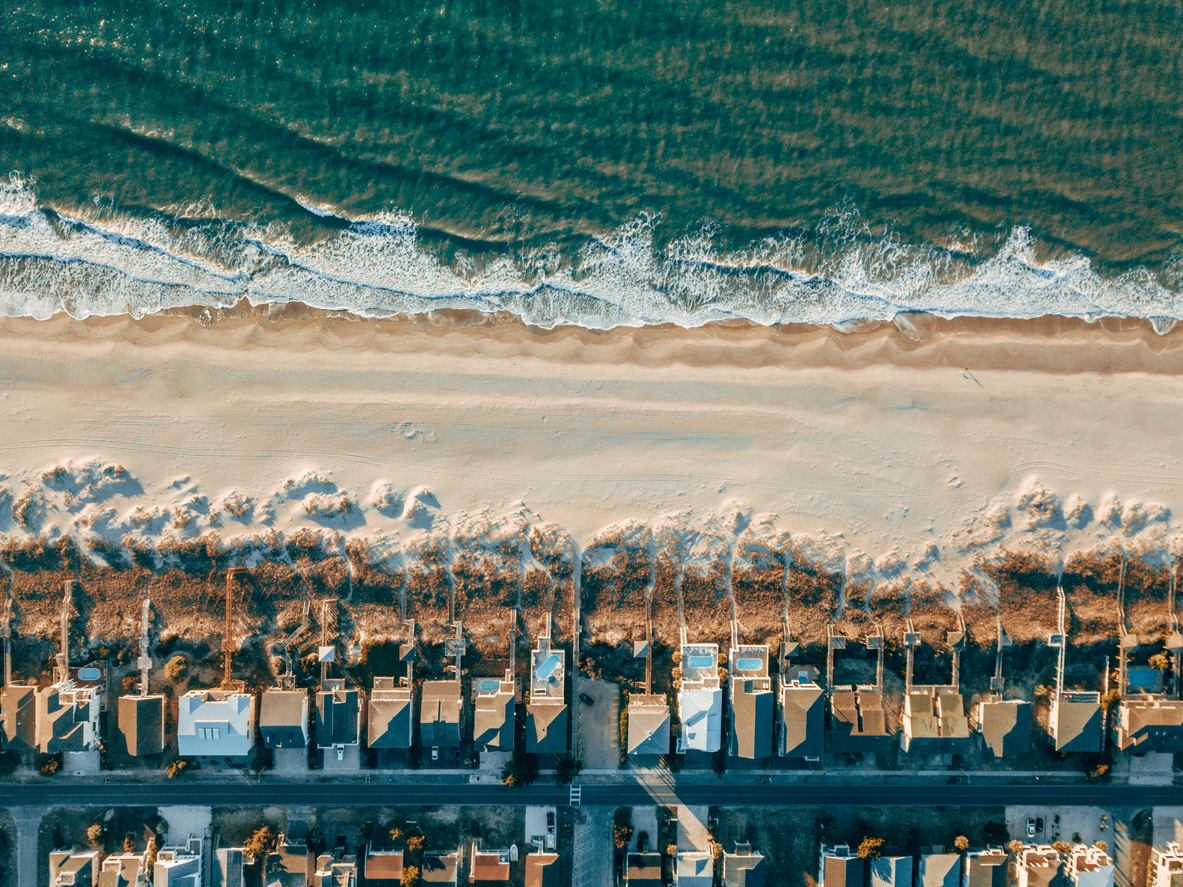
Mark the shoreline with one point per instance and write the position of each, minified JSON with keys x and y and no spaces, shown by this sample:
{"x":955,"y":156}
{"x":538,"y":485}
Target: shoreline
{"x":1049,"y":344}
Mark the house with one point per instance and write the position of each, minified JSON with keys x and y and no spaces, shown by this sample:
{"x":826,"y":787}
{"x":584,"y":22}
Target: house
{"x":18,"y":712}
{"x":141,"y":725}
{"x":839,"y":867}
{"x":858,"y":721}
{"x":1089,"y":867}
{"x":700,"y":699}
{"x":743,"y":868}
{"x":488,"y":866}
{"x":891,"y":871}
{"x":648,"y":724}
{"x":939,"y":870}
{"x":546,"y":712}
{"x":67,"y":718}
{"x":694,"y":868}
{"x":338,"y":715}
{"x":126,"y":870}
{"x":439,"y":714}
{"x":1076,"y":721}
{"x":542,"y":870}
{"x":1150,"y":724}
{"x":802,"y":714}
{"x":179,"y":866}
{"x":227,"y":867}
{"x":752,"y":703}
{"x":74,"y":868}
{"x":389,"y":723}
{"x":1166,"y":866}
{"x":383,"y":868}
{"x":283,"y":718}
{"x":1039,"y":865}
{"x":934,"y":722}
{"x":492,"y":720}
{"x":289,"y":866}
{"x":216,"y":723}
{"x":335,"y":870}
{"x":1005,"y":726}
{"x":643,"y":870}
{"x":440,"y":868}
{"x":985,"y":868}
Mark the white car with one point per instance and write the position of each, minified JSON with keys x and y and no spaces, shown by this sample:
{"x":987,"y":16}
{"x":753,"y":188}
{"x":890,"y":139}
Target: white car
{"x":340,"y":753}
{"x":435,"y":752}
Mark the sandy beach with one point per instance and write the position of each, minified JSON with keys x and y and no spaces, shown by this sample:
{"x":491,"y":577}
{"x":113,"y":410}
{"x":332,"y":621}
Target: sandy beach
{"x":880,"y":452}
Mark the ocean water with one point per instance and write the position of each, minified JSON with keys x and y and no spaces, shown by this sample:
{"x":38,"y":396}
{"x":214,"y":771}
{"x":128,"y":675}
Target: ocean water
{"x":595,"y":162}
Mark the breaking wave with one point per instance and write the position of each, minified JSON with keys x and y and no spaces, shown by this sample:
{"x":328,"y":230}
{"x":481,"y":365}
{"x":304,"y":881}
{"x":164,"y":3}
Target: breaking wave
{"x":102,"y":262}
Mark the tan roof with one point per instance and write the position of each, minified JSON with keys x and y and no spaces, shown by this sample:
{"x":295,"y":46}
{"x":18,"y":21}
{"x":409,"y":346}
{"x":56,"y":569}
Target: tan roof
{"x":542,"y":870}
{"x":384,"y":865}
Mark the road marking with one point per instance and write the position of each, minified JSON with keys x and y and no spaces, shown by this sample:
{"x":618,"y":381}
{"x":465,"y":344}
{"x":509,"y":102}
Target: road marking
{"x":576,"y":795}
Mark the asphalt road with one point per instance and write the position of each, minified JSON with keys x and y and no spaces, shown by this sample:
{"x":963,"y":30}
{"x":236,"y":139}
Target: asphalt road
{"x":353,"y":794}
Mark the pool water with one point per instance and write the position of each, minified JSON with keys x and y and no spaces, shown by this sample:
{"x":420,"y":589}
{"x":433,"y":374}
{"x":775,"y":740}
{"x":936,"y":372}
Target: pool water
{"x":489,"y":685}
{"x":748,"y":664}
{"x":700,"y":661}
{"x":547,"y":667}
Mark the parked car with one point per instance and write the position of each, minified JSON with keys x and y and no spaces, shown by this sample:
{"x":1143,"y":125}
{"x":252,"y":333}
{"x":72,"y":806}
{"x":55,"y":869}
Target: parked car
{"x":586,"y":700}
{"x":435,"y":752}
{"x":340,"y":753}
{"x":550,"y":823}
{"x":1030,"y":827}
{"x":1039,"y":823}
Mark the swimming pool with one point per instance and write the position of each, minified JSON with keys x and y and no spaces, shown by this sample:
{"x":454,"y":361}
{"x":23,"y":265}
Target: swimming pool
{"x":748,"y":664}
{"x":700,"y":661}
{"x":489,"y":685}
{"x":547,"y":667}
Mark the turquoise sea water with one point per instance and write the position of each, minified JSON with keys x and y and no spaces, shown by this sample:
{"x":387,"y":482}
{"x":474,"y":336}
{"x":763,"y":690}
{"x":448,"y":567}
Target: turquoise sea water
{"x":599,"y":163}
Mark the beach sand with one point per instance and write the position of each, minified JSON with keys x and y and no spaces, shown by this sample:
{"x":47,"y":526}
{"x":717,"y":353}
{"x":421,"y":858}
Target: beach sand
{"x":901,"y":450}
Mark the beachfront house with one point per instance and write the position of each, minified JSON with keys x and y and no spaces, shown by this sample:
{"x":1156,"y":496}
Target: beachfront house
{"x":283,"y":718}
{"x":493,"y":716}
{"x":934,"y":722}
{"x":18,"y":715}
{"x":753,"y":705}
{"x":389,"y":722}
{"x":648,"y":724}
{"x":1005,"y":726}
{"x":802,"y":713}
{"x":546,"y":712}
{"x":216,"y":723}
{"x":700,"y":699}
{"x":141,"y":725}
{"x":939,"y":870}
{"x":68,"y":718}
{"x":439,"y":715}
{"x":338,"y":717}
{"x":1076,"y":720}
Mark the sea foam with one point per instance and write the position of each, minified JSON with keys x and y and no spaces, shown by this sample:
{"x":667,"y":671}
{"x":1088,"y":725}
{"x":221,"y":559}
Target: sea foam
{"x":102,"y":262}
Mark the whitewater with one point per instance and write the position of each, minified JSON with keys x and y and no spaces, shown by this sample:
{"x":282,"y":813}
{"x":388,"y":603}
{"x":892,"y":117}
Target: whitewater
{"x":103,"y":262}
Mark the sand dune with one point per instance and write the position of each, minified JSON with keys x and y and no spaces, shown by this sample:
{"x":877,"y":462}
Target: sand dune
{"x":883,"y":454}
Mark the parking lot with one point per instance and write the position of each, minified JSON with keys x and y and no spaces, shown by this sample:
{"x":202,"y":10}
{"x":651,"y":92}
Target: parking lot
{"x":597,"y":737}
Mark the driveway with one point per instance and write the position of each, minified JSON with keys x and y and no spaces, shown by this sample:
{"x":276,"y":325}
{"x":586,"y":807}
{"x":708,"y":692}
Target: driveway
{"x":598,"y":725}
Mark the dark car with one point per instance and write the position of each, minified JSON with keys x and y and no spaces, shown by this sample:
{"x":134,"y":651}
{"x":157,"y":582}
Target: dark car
{"x":586,"y":700}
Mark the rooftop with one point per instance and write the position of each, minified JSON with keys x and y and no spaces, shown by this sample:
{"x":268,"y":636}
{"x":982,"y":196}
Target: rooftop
{"x":338,"y":714}
{"x":648,"y":724}
{"x":439,"y":714}
{"x":389,"y":715}
{"x":1150,"y":723}
{"x":283,"y":718}
{"x":1005,"y":726}
{"x":803,"y":714}
{"x":493,"y":719}
{"x":216,"y":723}
{"x":1076,"y":721}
